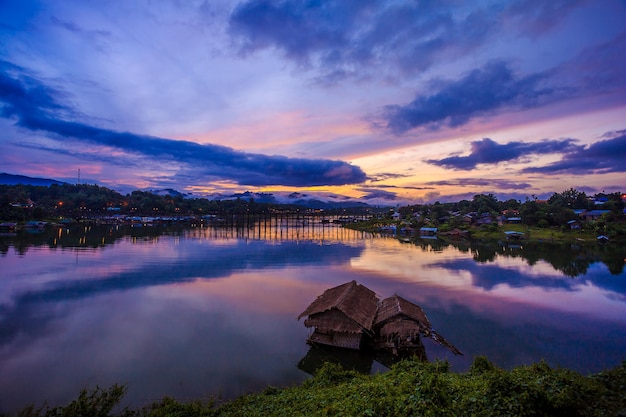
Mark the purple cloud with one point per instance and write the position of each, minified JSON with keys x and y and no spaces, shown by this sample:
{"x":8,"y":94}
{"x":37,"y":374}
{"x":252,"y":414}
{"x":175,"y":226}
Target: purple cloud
{"x":378,"y":194}
{"x":538,"y":16}
{"x":480,"y":182}
{"x":298,"y":28}
{"x":598,"y":158}
{"x":345,"y":38}
{"x":333,"y":36}
{"x":478,"y":93}
{"x":488,"y":151}
{"x":495,"y":88}
{"x":33,"y":106}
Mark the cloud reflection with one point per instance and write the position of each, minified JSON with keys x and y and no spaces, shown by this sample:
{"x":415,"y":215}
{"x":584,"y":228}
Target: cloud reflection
{"x":21,"y":313}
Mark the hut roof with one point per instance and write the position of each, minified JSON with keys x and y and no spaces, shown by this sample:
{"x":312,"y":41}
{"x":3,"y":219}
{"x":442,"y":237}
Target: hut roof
{"x":357,"y":302}
{"x":395,"y":306}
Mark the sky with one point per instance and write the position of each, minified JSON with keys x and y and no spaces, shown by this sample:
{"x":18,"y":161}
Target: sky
{"x":385,"y":102}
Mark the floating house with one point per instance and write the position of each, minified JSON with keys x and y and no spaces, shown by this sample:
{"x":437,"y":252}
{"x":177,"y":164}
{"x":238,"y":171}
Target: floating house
{"x":428,"y":231}
{"x":350,"y":316}
{"x":8,"y":227}
{"x":35,"y":224}
{"x":513,"y":235}
{"x":574,"y":224}
{"x":342,"y":316}
{"x":398,"y":326}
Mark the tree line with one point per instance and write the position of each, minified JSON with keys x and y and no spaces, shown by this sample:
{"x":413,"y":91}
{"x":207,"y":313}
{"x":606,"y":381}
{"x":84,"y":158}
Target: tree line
{"x":555,"y":211}
{"x":25,"y":202}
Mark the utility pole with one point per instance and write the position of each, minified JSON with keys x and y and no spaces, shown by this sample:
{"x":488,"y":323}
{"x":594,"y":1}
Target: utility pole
{"x":78,"y":183}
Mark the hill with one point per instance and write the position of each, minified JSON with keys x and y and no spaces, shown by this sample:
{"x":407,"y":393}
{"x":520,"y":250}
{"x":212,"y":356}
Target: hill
{"x":10,"y":179}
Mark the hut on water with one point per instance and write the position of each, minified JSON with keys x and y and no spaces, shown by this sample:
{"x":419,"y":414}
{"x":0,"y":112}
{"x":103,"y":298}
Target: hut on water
{"x":342,"y":316}
{"x":350,"y":316}
{"x":399,"y":325}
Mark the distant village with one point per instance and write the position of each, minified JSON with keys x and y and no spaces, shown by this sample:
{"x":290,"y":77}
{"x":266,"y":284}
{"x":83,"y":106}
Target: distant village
{"x":29,"y":206}
{"x":571,"y":210}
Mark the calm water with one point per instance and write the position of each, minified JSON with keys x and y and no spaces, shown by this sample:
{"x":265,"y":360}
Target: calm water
{"x":197,"y":313}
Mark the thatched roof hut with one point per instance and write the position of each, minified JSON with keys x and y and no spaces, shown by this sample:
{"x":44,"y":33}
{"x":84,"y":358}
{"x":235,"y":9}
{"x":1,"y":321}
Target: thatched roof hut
{"x":345,"y":315}
{"x":342,"y":315}
{"x":399,"y":324}
{"x":394,"y":306}
{"x":398,"y":317}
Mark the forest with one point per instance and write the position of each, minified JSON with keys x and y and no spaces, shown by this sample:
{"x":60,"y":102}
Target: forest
{"x":83,"y":201}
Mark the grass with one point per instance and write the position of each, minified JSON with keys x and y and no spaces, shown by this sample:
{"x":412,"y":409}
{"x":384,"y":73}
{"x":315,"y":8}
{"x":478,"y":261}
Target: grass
{"x":410,"y":388}
{"x":493,"y":232}
{"x":535,"y":233}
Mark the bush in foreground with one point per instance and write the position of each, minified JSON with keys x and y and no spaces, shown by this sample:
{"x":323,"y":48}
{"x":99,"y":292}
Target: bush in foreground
{"x":410,"y":388}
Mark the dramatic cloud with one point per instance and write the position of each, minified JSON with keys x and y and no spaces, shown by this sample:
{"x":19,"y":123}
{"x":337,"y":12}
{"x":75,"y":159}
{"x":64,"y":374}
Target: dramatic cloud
{"x":378,"y":194}
{"x":384,"y":176}
{"x":538,"y":16}
{"x":599,"y":69}
{"x":479,"y":182}
{"x":340,"y":39}
{"x":33,"y":105}
{"x":400,"y":187}
{"x":106,"y":87}
{"x":487,"y":151}
{"x":496,"y":88}
{"x":480,"y":92}
{"x":598,"y":158}
{"x":337,"y":36}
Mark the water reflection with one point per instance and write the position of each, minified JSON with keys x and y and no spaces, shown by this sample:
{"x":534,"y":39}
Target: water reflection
{"x":570,"y":259}
{"x":212,"y":311}
{"x":187,"y":261}
{"x":100,"y":235}
{"x":354,"y":360}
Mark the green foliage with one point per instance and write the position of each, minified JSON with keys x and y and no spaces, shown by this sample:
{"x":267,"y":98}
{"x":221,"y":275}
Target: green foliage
{"x":481,"y":365}
{"x":571,"y":198}
{"x":410,"y":388}
{"x":484,"y":203}
{"x":25,"y":202}
{"x":169,"y":407}
{"x":90,"y":403}
{"x":83,"y":200}
{"x":331,"y":374}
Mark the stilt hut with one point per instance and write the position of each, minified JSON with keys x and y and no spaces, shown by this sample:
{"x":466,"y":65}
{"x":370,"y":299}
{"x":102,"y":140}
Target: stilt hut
{"x":342,"y":316}
{"x":400,"y":323}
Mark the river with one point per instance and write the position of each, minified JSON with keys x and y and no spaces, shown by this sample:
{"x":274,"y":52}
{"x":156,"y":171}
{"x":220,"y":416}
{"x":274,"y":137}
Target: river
{"x":202,"y":312}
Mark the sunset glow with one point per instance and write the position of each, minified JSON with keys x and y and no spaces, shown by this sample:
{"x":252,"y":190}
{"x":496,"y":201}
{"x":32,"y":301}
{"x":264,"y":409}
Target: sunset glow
{"x":382,"y":102}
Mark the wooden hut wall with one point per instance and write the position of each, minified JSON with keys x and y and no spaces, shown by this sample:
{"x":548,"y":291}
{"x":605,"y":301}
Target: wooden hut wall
{"x":337,"y":339}
{"x":400,"y":328}
{"x":347,"y":340}
{"x":333,"y":320}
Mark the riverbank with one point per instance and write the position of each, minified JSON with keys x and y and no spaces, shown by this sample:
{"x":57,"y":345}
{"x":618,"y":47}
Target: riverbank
{"x":535,"y":234}
{"x":494,"y":233}
{"x":411,"y":387}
